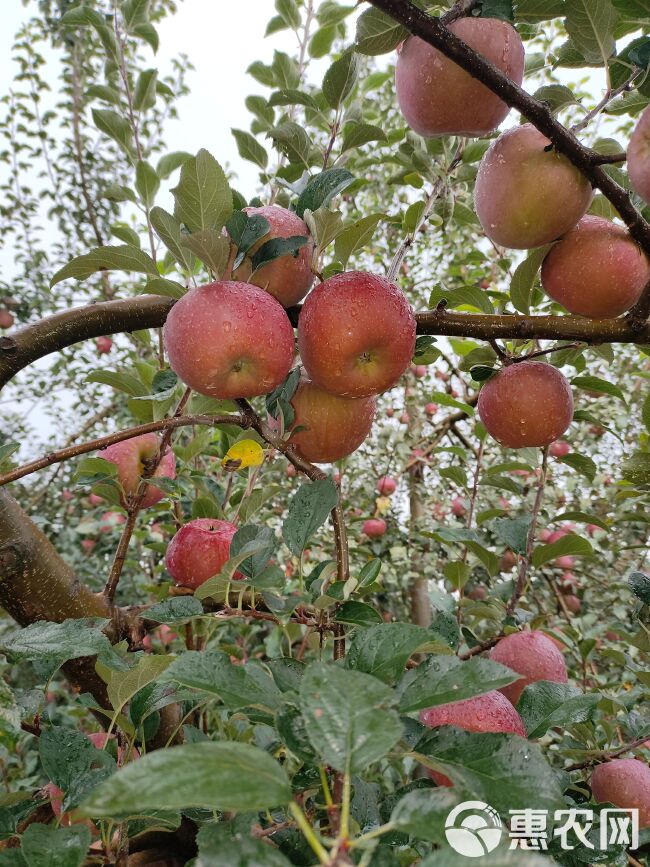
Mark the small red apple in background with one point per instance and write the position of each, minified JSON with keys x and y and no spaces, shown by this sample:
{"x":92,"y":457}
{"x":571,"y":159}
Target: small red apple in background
{"x":532,"y":655}
{"x":336,"y":476}
{"x":566,"y":562}
{"x":596,"y":270}
{"x":592,"y":529}
{"x":478,"y":593}
{"x":390,"y":412}
{"x":199,"y":550}
{"x":420,"y":371}
{"x":356,"y":334}
{"x":638,"y":157}
{"x":559,"y":449}
{"x":624,"y":783}
{"x":109,"y":521}
{"x":6,"y":319}
{"x":610,"y":635}
{"x":288,"y":278}
{"x":291,"y":471}
{"x":437,"y":97}
{"x":431,"y":409}
{"x":374,"y":528}
{"x":67,"y":495}
{"x":508,"y":561}
{"x":229,"y":340}
{"x":95,"y":499}
{"x":130,"y":457}
{"x":88,"y":545}
{"x":442,"y":375}
{"x":526,"y":404}
{"x":386,"y":485}
{"x":568,"y":583}
{"x":332,"y":427}
{"x":404,"y":418}
{"x":164,"y":635}
{"x":573,"y":604}
{"x":526,"y":193}
{"x":104,"y":345}
{"x":545,"y":535}
{"x":491,"y":712}
{"x":484,"y":284}
{"x":458,"y":507}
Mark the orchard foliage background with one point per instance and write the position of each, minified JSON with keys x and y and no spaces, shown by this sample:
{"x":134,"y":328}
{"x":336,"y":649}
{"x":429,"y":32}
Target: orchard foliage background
{"x":279,"y":715}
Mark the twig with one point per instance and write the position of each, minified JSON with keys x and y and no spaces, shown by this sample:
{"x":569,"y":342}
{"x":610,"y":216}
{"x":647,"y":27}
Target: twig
{"x":606,"y":755}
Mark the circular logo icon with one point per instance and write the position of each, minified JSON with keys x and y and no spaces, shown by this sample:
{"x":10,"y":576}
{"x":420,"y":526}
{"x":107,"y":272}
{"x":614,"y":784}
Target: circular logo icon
{"x":473,"y":829}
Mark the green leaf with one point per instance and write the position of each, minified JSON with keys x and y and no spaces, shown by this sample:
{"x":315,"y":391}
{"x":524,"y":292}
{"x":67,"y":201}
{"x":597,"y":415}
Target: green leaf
{"x":147,"y":182}
{"x":115,"y":126}
{"x":378,"y":33}
{"x":534,"y":11}
{"x":168,"y":229}
{"x":106,"y":259}
{"x":590,"y":25}
{"x":10,"y":711}
{"x":340,"y":79}
{"x":121,"y":380}
{"x":601,"y":386}
{"x":289,"y":12}
{"x":170,"y":162}
{"x":135,"y":13}
{"x":148,"y":33}
{"x":277,"y":247}
{"x":292,"y":97}
{"x":645,"y":412}
{"x":203,"y":199}
{"x":321,"y":42}
{"x":238,"y":686}
{"x":581,"y":464}
{"x":263,"y":539}
{"x":640,"y":586}
{"x":213,"y":776}
{"x":523,"y":280}
{"x":569,"y":545}
{"x":444,"y":399}
{"x":123,"y":685}
{"x":174,"y":609}
{"x":250,"y":149}
{"x":369,"y":573}
{"x":384,"y":650}
{"x":320,"y":191}
{"x":356,"y":135}
{"x":503,"y":770}
{"x":357,"y":614}
{"x":308,"y":511}
{"x":68,"y":640}
{"x":144,"y":95}
{"x":348,"y":717}
{"x":210,"y":247}
{"x":637,"y":469}
{"x":423,"y":813}
{"x":443,"y":679}
{"x":556,"y":96}
{"x":502,"y":9}
{"x":544,"y":705}
{"x":356,"y":236}
{"x":82,"y":16}
{"x":218,"y":848}
{"x":293,"y":141}
{"x":48,"y":846}
{"x":72,"y":762}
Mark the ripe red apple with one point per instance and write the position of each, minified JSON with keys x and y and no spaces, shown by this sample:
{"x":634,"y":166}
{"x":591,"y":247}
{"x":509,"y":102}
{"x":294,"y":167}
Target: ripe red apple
{"x":526,"y":195}
{"x":638,"y":157}
{"x":559,"y":449}
{"x":6,"y":319}
{"x":568,"y":583}
{"x":437,"y":97}
{"x":458,"y":507}
{"x":374,"y":528}
{"x":420,"y":370}
{"x":592,"y":529}
{"x":95,"y":499}
{"x":109,"y":521}
{"x":287,"y":278}
{"x":103,"y":345}
{"x":431,"y":409}
{"x":88,"y":545}
{"x":491,"y":712}
{"x":199,"y":550}
{"x":390,"y":412}
{"x":573,"y":604}
{"x":508,"y":561}
{"x":130,"y":457}
{"x":333,"y":427}
{"x":291,"y":471}
{"x":164,"y":635}
{"x":545,"y":535}
{"x":66,"y":495}
{"x":532,"y":655}
{"x":386,"y":485}
{"x":596,"y":270}
{"x":526,"y":404}
{"x":565,"y":562}
{"x":356,"y":334}
{"x":404,"y":418}
{"x":478,"y":593}
{"x":624,"y":783}
{"x":229,"y":340}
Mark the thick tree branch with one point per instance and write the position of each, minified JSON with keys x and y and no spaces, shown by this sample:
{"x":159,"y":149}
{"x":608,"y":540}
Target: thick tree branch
{"x":434,"y":32}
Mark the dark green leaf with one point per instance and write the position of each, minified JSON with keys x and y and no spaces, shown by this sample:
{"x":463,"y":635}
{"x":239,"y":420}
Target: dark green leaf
{"x":544,"y":705}
{"x":640,"y":586}
{"x":308,"y":511}
{"x":277,"y":247}
{"x":203,"y":197}
{"x":46,"y":846}
{"x":106,"y":259}
{"x":340,"y":79}
{"x":378,"y":33}
{"x":321,"y":190}
{"x":384,"y":650}
{"x":68,"y":640}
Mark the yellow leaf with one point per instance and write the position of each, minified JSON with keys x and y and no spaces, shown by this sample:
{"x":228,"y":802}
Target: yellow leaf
{"x":245,"y":453}
{"x":383,"y":505}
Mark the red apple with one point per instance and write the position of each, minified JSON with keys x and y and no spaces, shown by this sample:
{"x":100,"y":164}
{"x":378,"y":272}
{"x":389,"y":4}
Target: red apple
{"x":458,"y":507}
{"x":404,"y":418}
{"x":565,"y":562}
{"x":419,"y":370}
{"x":508,"y":561}
{"x":390,"y":412}
{"x":164,"y":635}
{"x":66,"y":495}
{"x":478,"y":593}
{"x":386,"y":485}
{"x":491,"y":712}
{"x":6,"y":319}
{"x":95,"y":499}
{"x":287,"y":278}
{"x":103,"y":345}
{"x":437,"y":97}
{"x":559,"y":449}
{"x":199,"y":550}
{"x":356,"y":334}
{"x":374,"y":528}
{"x":332,"y":427}
{"x":229,"y":340}
{"x":130,"y":457}
{"x":431,"y":409}
{"x":573,"y":604}
{"x":592,"y":529}
{"x":532,"y":655}
{"x":545,"y":535}
{"x":526,"y":404}
{"x":291,"y":471}
{"x":526,"y":193}
{"x":596,"y":270}
{"x":624,"y":783}
{"x":88,"y":545}
{"x":109,"y":521}
{"x":638,"y":157}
